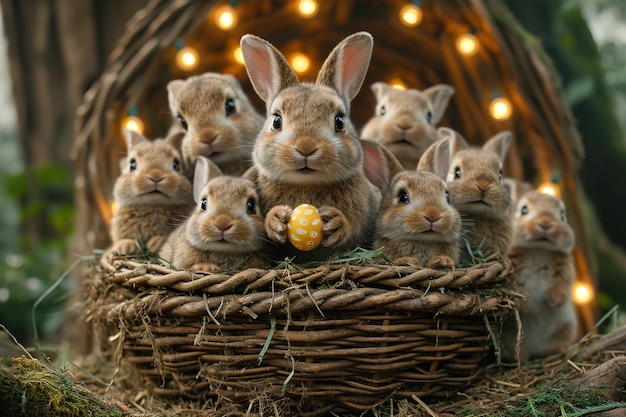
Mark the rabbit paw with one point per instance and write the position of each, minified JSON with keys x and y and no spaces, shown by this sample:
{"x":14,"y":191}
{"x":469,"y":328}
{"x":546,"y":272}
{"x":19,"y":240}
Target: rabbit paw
{"x":335,"y":225}
{"x":155,"y":243}
{"x":276,"y":223}
{"x":205,"y":267}
{"x":125,"y":247}
{"x":556,"y":297}
{"x":440,"y":262}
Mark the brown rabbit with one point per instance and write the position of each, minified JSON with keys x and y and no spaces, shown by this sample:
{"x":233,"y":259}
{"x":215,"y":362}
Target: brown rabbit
{"x":152,"y":194}
{"x":476,"y":185}
{"x":308,"y":150}
{"x":405,"y":120}
{"x":417,"y":220}
{"x":225,"y":229}
{"x":219,"y":121}
{"x":541,"y":252}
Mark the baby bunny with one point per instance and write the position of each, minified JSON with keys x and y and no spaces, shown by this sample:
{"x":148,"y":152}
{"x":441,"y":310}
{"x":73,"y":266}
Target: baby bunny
{"x":475,"y":182}
{"x":405,"y":120}
{"x":541,"y":252}
{"x":416,"y":220}
{"x":152,"y":194}
{"x":219,"y":121}
{"x":224,"y":231}
{"x":309,"y":151}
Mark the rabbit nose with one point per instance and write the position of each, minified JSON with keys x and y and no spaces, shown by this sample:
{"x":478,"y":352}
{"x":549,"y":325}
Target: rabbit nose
{"x":207,"y":136}
{"x":306,"y":146}
{"x":432,"y":215}
{"x":546,"y":226}
{"x":223,"y":222}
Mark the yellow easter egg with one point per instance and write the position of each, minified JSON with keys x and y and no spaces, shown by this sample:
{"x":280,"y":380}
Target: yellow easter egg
{"x":304,"y":228}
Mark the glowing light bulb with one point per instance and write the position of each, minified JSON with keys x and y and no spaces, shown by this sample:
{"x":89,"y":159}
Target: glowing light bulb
{"x":300,"y":62}
{"x":133,"y":123}
{"x":549,"y":188}
{"x":114,"y":206}
{"x":467,"y":44}
{"x":307,"y":8}
{"x":500,"y":108}
{"x":398,"y":84}
{"x":226,"y":18}
{"x":582,"y":293}
{"x":187,"y":59}
{"x":411,"y":15}
{"x":238,"y":56}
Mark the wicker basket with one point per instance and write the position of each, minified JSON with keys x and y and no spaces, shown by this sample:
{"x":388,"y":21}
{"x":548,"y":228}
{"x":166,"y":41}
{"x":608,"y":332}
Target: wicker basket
{"x":337,"y":336}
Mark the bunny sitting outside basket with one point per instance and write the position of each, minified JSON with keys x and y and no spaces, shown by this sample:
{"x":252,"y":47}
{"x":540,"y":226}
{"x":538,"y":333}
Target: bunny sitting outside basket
{"x":232,"y":309}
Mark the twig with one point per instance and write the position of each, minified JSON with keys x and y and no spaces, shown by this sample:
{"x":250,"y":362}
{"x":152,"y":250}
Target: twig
{"x":424,"y":406}
{"x":16,"y":342}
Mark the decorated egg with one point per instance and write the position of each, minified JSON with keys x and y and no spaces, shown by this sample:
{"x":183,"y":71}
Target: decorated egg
{"x":304,"y":228}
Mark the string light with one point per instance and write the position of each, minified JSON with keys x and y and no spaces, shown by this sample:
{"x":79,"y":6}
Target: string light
{"x":133,"y":122}
{"x":300,"y":62}
{"x":550,"y":187}
{"x":582,"y":293}
{"x":238,"y":55}
{"x":500,"y":107}
{"x":226,"y":17}
{"x":467,"y":44}
{"x":411,"y":15}
{"x":114,"y":207}
{"x":187,"y":58}
{"x":307,"y":8}
{"x":398,"y":84}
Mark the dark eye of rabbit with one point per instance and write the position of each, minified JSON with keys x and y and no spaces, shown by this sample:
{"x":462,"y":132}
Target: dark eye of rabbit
{"x":230,"y":106}
{"x":383,"y":110}
{"x":133,"y":165}
{"x":340,"y":125}
{"x":562,"y":215}
{"x":447,"y":196}
{"x":203,"y":204}
{"x":429,"y":117}
{"x":278,"y":122}
{"x":183,"y":122}
{"x":457,"y":172}
{"x":251,"y":206}
{"x":176,"y":165}
{"x":403,"y":197}
{"x":501,"y":177}
{"x":524,"y":210}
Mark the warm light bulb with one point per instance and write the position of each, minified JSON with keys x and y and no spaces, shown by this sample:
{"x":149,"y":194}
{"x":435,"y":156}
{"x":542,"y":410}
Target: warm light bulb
{"x":582,"y":293}
{"x":411,"y":15}
{"x":238,"y":56}
{"x":549,"y":188}
{"x":398,"y":84}
{"x":300,"y":62}
{"x":114,"y":206}
{"x":307,"y":8}
{"x":467,"y":44}
{"x":226,"y":18}
{"x":133,"y":123}
{"x":500,"y":108}
{"x":187,"y":59}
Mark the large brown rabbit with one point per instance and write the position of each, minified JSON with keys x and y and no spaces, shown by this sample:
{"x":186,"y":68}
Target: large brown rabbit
{"x":218,"y":119}
{"x":225,"y":230}
{"x":405,"y":120}
{"x":476,"y":185}
{"x":309,"y":151}
{"x":152,"y":194}
{"x":541,"y":252}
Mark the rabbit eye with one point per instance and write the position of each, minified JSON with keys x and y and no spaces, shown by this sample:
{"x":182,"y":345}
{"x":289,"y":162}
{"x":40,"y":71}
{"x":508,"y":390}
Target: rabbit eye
{"x":429,"y":117}
{"x":183,"y":122}
{"x":229,"y":106}
{"x":403,"y":197}
{"x":340,"y":125}
{"x":447,"y":196}
{"x":176,"y":165}
{"x":524,"y":210}
{"x":277,"y":124}
{"x":562,"y":215}
{"x":383,"y":110}
{"x":500,"y":176}
{"x":457,"y":173}
{"x":203,"y":204}
{"x":251,"y":206}
{"x":133,"y":165}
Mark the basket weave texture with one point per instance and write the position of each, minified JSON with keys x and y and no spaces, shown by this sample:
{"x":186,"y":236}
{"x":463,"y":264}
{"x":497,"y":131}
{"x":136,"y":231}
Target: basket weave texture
{"x":344,"y":335}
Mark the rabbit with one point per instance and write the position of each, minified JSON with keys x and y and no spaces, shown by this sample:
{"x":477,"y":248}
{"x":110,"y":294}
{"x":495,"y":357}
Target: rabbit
{"x":475,"y":181}
{"x":405,"y":120}
{"x":225,"y":229}
{"x":541,"y":253}
{"x":309,"y":151}
{"x":218,"y":119}
{"x":152,"y":193}
{"x":417,"y":220}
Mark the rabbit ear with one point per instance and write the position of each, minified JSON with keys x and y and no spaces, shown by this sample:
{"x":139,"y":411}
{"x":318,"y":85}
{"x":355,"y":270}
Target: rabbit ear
{"x":499,"y":144}
{"x":441,"y":158}
{"x":457,"y":142}
{"x":379,"y":165}
{"x":204,"y":172}
{"x":380,"y":90}
{"x":176,"y":140}
{"x":439,"y":95}
{"x":132,"y":138}
{"x":267,"y":68}
{"x":345,"y":68}
{"x":173,"y":87}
